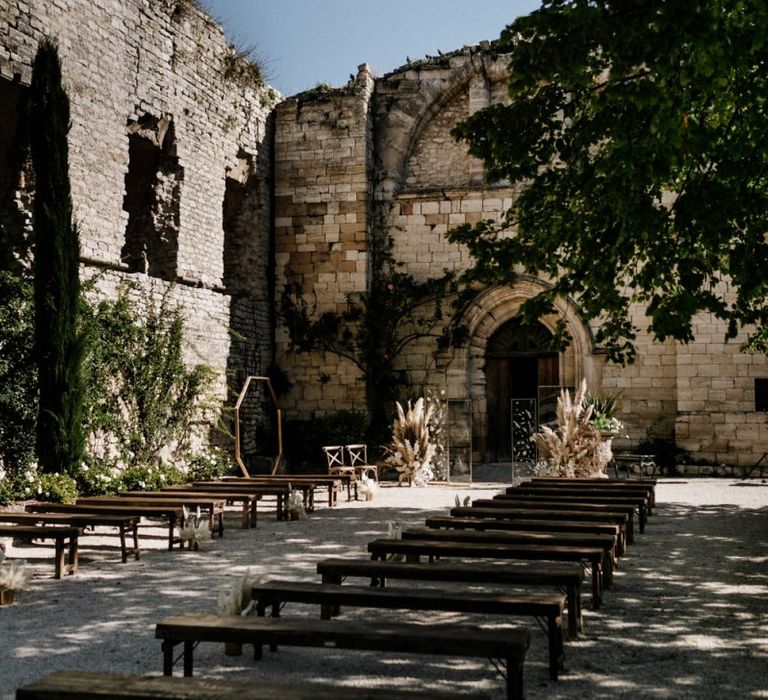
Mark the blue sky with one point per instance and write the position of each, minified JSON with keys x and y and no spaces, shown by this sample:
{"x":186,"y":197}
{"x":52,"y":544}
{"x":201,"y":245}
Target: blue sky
{"x":306,"y":42}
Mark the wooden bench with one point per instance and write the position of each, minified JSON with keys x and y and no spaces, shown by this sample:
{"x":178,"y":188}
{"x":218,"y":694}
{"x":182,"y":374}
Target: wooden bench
{"x":563,"y":576}
{"x":172,"y":515}
{"x":90,"y":685}
{"x":248,"y":501}
{"x":446,"y":640}
{"x":64,"y":538}
{"x":566,"y":497}
{"x":497,"y":511}
{"x":643,"y":498}
{"x":330,"y":598}
{"x":648,"y":484}
{"x":214,"y":507}
{"x":629,"y":458}
{"x":414,"y":549}
{"x":454,"y":523}
{"x":124,"y":523}
{"x":577,"y":539}
{"x":279,"y":491}
{"x":573,"y":509}
{"x":332,"y":483}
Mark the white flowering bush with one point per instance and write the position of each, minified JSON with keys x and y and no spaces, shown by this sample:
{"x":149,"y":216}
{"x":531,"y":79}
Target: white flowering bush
{"x":411,"y":450}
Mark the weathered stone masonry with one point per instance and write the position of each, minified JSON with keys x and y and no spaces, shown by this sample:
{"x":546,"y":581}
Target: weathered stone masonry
{"x":174,"y":174}
{"x":170,"y":152}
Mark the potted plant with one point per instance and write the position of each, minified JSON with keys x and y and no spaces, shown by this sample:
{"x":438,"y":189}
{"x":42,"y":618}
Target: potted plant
{"x":411,"y":450}
{"x":14,"y":576}
{"x":604,"y":420}
{"x":195,"y":529}
{"x":236,"y":600}
{"x":367,"y":487}
{"x":295,"y":505}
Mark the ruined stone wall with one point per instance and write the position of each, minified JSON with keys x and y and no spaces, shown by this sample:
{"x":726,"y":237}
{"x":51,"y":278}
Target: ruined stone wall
{"x":322,"y":222}
{"x":169,"y":132}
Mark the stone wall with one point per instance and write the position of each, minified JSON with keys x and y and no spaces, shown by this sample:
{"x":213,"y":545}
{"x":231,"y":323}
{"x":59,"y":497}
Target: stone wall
{"x":170,"y":151}
{"x":322,"y":225}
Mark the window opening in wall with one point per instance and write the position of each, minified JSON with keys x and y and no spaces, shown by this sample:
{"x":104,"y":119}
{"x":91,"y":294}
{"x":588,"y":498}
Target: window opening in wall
{"x":240,"y":200}
{"x":152,"y":197}
{"x":15,"y":180}
{"x":761,"y":394}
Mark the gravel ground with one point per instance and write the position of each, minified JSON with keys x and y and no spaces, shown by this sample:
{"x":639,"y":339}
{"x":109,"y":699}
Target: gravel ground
{"x":687,"y":615}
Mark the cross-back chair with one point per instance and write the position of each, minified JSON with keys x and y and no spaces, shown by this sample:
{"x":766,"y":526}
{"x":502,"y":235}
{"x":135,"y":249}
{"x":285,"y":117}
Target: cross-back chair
{"x":358,"y":458}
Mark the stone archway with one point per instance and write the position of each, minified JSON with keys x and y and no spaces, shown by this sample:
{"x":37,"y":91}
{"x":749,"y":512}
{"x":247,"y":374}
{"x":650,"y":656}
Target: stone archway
{"x":518,"y":366}
{"x":490,"y":312}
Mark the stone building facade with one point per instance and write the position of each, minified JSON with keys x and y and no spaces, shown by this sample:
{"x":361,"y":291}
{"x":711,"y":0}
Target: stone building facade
{"x":188,"y":175}
{"x":170,"y":151}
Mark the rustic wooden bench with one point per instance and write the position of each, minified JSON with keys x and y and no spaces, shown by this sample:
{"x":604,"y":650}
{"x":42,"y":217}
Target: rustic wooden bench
{"x":279,"y":491}
{"x":64,"y":538}
{"x":124,"y":523}
{"x":172,"y":515}
{"x":330,"y":598}
{"x":512,"y":513}
{"x":628,"y":459}
{"x":648,"y":484}
{"x":90,"y":685}
{"x":641,"y":495}
{"x":577,"y":539}
{"x":454,"y":523}
{"x":248,"y":501}
{"x":446,"y":640}
{"x":574,"y":509}
{"x":412,"y":550}
{"x":332,"y":483}
{"x":607,"y":500}
{"x":565,"y":577}
{"x":214,"y":507}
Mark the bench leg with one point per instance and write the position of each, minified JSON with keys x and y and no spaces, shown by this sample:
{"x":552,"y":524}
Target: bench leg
{"x":123,"y":546}
{"x":171,"y":528}
{"x":631,"y":529}
{"x":246,"y":516}
{"x":189,"y":649}
{"x":643,"y":513}
{"x":167,"y":648}
{"x":254,"y":512}
{"x":556,"y":653}
{"x":597,"y":588}
{"x":74,"y":556}
{"x":515,"y":679}
{"x":58,"y":557}
{"x":136,"y":541}
{"x":575,"y":620}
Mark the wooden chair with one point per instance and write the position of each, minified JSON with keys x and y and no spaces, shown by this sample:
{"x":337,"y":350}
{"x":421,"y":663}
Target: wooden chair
{"x":334,"y":454}
{"x":358,"y":458}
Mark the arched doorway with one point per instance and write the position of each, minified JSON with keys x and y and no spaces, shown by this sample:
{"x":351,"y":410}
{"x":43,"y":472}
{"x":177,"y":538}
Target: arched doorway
{"x":518,"y":362}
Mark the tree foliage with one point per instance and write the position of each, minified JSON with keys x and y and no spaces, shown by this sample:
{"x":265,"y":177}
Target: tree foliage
{"x":59,"y":347}
{"x":637,"y":129}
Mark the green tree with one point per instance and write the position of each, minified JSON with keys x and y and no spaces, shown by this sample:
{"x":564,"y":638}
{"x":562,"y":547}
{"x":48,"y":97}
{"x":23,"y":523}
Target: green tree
{"x":58,"y":345}
{"x":638,"y":130}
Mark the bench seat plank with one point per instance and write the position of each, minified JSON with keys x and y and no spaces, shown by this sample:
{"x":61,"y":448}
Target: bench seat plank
{"x":563,"y":575}
{"x":172,"y":515}
{"x":90,"y":520}
{"x":455,"y":523}
{"x":451,"y":640}
{"x":64,"y":537}
{"x":330,"y":598}
{"x":413,"y":549}
{"x":90,"y":685}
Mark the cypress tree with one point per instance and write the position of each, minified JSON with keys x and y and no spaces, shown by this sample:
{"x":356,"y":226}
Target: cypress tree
{"x":58,"y":345}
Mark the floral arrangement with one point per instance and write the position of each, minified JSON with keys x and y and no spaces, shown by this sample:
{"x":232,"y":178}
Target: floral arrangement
{"x":14,"y":576}
{"x":395,"y":532}
{"x":295,"y":505}
{"x":411,"y":450}
{"x":367,"y":487}
{"x":196,"y":528}
{"x":236,"y":600}
{"x":604,"y":409}
{"x":459,"y":503}
{"x":573,"y":449}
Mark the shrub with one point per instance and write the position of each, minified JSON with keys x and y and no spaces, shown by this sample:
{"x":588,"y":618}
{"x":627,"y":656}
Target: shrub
{"x":99,"y":477}
{"x":57,"y":487}
{"x":208,"y":464}
{"x":150,"y":477}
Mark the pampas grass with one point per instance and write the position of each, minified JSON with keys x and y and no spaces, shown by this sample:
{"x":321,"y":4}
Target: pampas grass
{"x":411,"y":450}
